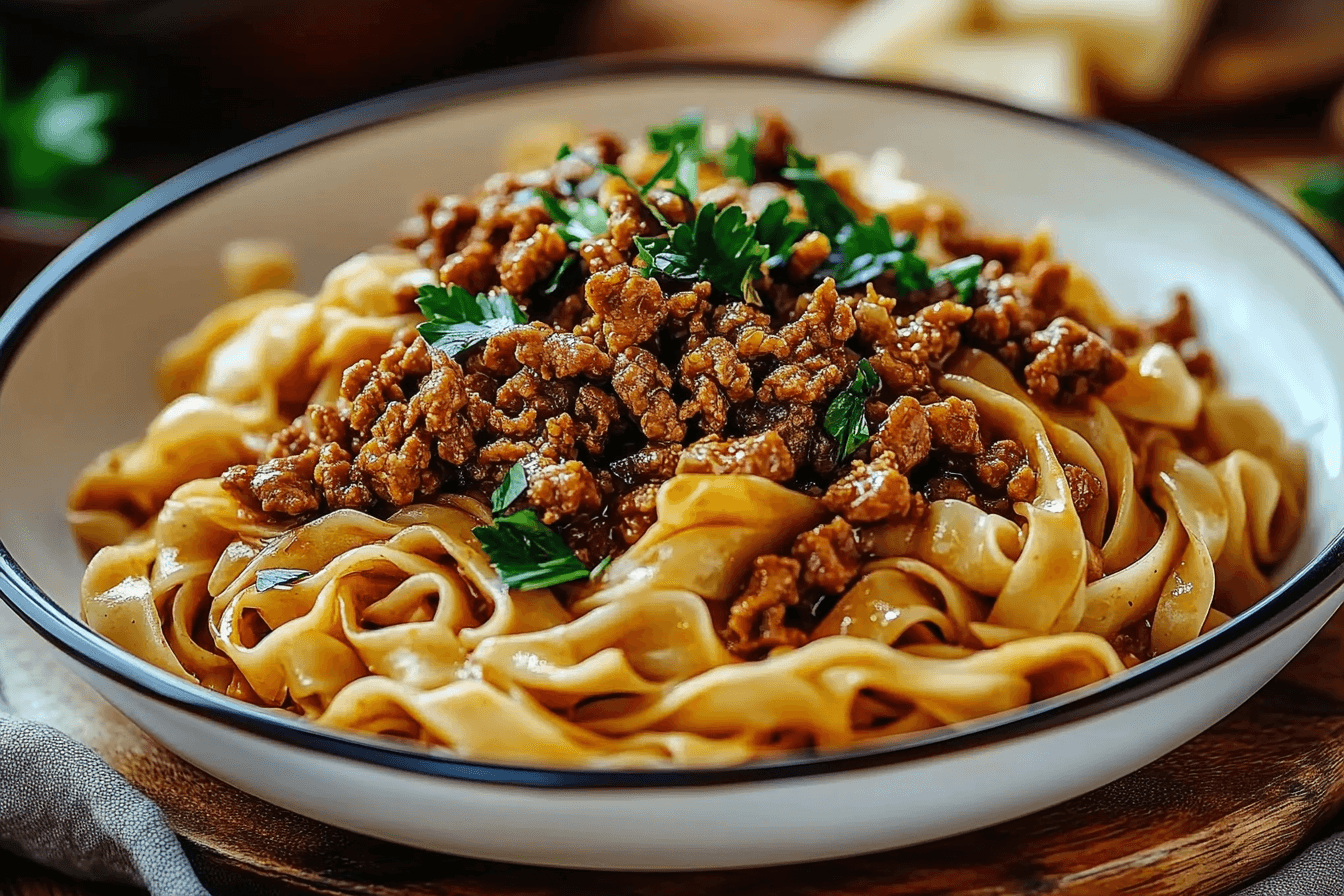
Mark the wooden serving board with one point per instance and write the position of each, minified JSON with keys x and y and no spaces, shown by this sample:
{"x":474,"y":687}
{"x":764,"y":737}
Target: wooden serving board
{"x":1216,"y":813}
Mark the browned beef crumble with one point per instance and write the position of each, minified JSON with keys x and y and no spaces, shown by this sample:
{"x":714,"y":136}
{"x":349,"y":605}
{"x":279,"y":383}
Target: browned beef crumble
{"x":626,"y":380}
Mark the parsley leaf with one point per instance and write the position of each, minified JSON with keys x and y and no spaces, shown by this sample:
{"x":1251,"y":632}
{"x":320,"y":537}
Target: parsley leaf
{"x":527,"y":554}
{"x":562,"y":280}
{"x":268,"y":579}
{"x":600,"y":569}
{"x":684,"y":144}
{"x":457,"y":320}
{"x":1325,"y":193}
{"x":720,"y":247}
{"x":825,"y":209}
{"x":846,"y":419}
{"x":575,"y":219}
{"x":863,"y":251}
{"x":963,"y":273}
{"x":739,"y":156}
{"x":777,"y":233}
{"x":513,"y":486}
{"x":866,"y":250}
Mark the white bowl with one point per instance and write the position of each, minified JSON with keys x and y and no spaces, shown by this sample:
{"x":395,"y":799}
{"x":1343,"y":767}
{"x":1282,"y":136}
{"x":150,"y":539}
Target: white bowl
{"x":78,"y":347}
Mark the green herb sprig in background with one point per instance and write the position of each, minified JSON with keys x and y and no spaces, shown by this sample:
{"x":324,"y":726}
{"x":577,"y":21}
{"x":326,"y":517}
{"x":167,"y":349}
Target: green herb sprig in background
{"x":1324,"y":192}
{"x":55,"y":144}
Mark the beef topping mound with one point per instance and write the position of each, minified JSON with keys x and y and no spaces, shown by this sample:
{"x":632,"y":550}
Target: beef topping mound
{"x":624,"y":375}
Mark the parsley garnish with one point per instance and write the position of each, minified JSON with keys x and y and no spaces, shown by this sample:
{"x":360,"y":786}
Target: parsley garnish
{"x":1325,"y":193}
{"x":720,"y":247}
{"x":561,"y":281}
{"x":777,"y":233}
{"x":846,"y":418}
{"x":599,"y":569}
{"x":513,"y":486}
{"x":863,"y":252}
{"x":866,"y":250}
{"x":683,"y":143}
{"x":963,"y":273}
{"x":457,"y":320}
{"x":268,"y":579}
{"x":739,"y":156}
{"x":825,"y":209}
{"x":527,"y":554}
{"x":575,"y":219}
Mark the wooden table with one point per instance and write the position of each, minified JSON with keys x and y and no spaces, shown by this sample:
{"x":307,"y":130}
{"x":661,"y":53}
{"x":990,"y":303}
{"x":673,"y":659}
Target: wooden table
{"x":1272,"y":162}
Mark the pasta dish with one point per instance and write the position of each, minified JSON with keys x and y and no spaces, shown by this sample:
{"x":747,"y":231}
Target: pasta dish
{"x":685,"y":451}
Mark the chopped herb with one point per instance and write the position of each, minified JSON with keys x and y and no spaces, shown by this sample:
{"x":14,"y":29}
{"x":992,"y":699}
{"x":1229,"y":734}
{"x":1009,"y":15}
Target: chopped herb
{"x":825,"y":209}
{"x":1325,"y":193}
{"x":457,"y":320}
{"x":527,"y":554}
{"x":513,"y":486}
{"x":963,"y":273}
{"x":739,"y":156}
{"x":846,"y":418}
{"x":777,"y":233}
{"x":599,"y":569}
{"x":575,"y":219}
{"x":564,"y":152}
{"x":562,"y":280}
{"x":684,"y":144}
{"x":864,"y":251}
{"x":720,"y":247}
{"x":269,"y":579}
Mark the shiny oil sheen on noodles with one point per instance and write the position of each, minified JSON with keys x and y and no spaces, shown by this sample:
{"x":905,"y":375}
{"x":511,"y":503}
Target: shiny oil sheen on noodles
{"x":685,"y":452}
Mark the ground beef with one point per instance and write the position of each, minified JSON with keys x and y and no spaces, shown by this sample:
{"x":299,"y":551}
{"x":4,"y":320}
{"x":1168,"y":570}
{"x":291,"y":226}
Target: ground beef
{"x":905,"y":434}
{"x":637,"y":510}
{"x":1070,"y":360}
{"x":643,"y":383}
{"x":872,"y":491}
{"x":764,"y":455}
{"x":1083,"y":486}
{"x":828,"y":556}
{"x":1003,"y":468}
{"x":531,"y":259}
{"x":773,"y":139}
{"x":472,"y":268}
{"x":954,"y":425}
{"x":629,"y":308}
{"x":809,"y":253}
{"x":756,"y":618}
{"x":560,"y":489}
{"x":623,"y":378}
{"x":283,"y":486}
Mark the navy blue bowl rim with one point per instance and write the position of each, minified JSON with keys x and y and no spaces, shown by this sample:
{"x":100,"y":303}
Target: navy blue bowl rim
{"x":1306,"y":588}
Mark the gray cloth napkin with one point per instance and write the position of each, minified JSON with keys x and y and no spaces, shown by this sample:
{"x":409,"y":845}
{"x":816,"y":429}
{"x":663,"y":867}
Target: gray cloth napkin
{"x":63,"y":806}
{"x":1317,"y":871}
